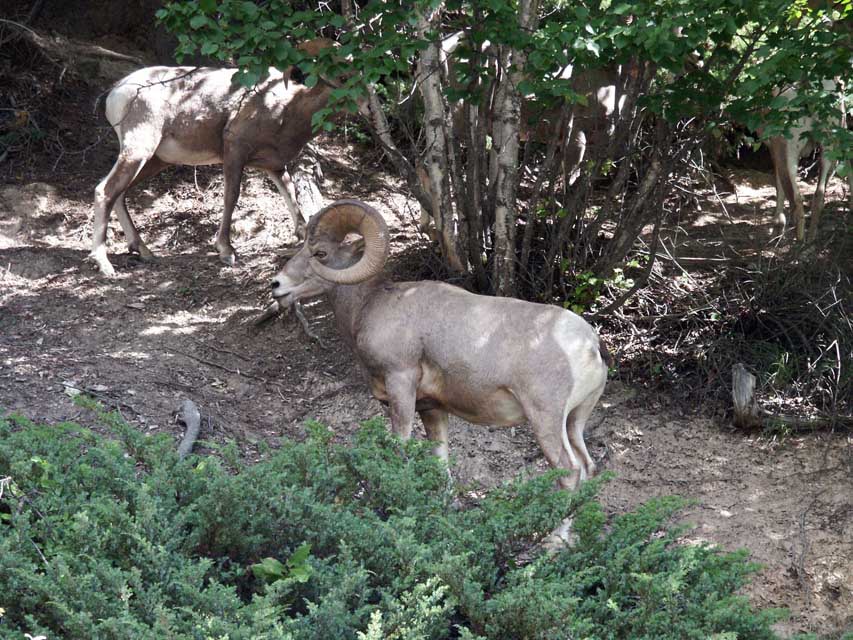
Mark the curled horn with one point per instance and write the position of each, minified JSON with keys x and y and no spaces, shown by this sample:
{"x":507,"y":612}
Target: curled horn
{"x":339,"y":219}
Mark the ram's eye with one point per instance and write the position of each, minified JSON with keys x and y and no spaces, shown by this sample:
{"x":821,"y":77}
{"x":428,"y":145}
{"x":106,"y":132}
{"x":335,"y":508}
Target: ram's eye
{"x":320,"y":254}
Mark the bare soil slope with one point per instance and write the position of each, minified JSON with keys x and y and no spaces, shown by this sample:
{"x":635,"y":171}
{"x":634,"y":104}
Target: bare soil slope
{"x":180,"y":327}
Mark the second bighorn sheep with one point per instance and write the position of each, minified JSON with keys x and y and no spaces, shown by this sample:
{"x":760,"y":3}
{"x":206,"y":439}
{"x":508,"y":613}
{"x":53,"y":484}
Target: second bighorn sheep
{"x":436,"y":349}
{"x":197,"y":116}
{"x":786,"y":153}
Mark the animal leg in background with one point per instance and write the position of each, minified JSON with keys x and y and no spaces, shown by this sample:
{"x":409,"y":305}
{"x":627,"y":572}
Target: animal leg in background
{"x":131,"y":234}
{"x":128,"y":165}
{"x":232,"y":171}
{"x":785,"y":154}
{"x":285,"y":187}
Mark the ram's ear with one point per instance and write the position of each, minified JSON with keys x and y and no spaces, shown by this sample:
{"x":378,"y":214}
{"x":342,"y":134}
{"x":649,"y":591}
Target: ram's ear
{"x":289,"y":252}
{"x":354,"y":241}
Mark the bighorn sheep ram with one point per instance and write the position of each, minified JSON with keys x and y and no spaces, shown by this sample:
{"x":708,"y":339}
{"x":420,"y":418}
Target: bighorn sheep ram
{"x":435,"y":349}
{"x":198,"y":116}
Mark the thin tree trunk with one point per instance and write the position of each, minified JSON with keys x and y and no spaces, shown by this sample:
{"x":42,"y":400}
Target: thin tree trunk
{"x":506,"y":142}
{"x":428,"y":78}
{"x":544,"y":173}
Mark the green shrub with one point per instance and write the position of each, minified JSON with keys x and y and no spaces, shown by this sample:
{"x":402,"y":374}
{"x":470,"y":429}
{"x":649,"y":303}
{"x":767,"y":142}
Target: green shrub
{"x":118,"y":538}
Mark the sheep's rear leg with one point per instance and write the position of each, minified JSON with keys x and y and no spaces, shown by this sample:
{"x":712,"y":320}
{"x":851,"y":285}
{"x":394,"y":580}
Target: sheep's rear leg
{"x":549,"y":427}
{"x":575,"y":425}
{"x":785,"y":156}
{"x":108,"y":191}
{"x":131,"y":233}
{"x":285,"y":187}
{"x":232,"y":175}
{"x":435,"y":423}
{"x":827,"y":166}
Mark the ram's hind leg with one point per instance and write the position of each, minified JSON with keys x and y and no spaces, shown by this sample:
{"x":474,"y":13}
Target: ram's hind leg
{"x":549,"y":427}
{"x":109,"y":190}
{"x":232,"y":173}
{"x":575,"y":425}
{"x":285,"y":187}
{"x":131,"y":233}
{"x":435,"y":423}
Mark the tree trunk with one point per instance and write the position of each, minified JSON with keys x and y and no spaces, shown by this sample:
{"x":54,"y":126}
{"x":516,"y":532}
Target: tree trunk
{"x":428,"y":78}
{"x":505,"y":129}
{"x":746,"y":411}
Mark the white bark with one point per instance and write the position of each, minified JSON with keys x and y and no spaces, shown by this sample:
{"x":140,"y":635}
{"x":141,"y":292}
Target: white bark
{"x":504,"y":171}
{"x":428,"y":78}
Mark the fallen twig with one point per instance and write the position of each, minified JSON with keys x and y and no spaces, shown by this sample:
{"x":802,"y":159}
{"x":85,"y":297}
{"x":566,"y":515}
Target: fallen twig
{"x":273,"y":310}
{"x":216,"y":365}
{"x":219,"y":349}
{"x":297,"y":311}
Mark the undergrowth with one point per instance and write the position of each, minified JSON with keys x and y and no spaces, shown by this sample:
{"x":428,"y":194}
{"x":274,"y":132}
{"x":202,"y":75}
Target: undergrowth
{"x":118,"y":538}
{"x":787,"y":320}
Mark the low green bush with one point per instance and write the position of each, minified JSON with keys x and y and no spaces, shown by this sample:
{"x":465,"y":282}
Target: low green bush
{"x":118,"y":538}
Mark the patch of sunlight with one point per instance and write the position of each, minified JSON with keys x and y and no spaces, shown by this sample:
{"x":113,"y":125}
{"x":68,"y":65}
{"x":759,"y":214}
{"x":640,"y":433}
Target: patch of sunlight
{"x":749,"y":191}
{"x":162,"y":329}
{"x":706,"y":219}
{"x":130,"y":355}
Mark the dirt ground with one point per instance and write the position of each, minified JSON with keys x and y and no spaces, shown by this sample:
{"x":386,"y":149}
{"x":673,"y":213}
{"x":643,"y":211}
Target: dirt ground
{"x":181,"y":327}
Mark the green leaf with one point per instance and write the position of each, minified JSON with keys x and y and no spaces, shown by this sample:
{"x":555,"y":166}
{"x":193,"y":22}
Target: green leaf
{"x":269,"y":569}
{"x":300,"y":574}
{"x":208,"y":6}
{"x":198,"y":21}
{"x":300,"y":555}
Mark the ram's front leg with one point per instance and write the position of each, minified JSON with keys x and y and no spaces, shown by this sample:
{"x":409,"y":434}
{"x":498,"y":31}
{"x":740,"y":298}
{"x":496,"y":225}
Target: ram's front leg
{"x":402,"y":388}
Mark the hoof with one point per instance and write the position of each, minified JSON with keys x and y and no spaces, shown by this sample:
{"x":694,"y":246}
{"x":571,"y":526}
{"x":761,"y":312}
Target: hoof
{"x":100,"y":261}
{"x":229,"y":259}
{"x":142,"y":251}
{"x":561,"y":538}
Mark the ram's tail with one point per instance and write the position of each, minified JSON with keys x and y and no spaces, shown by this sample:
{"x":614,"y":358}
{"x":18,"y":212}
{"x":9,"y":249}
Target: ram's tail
{"x":101,"y":99}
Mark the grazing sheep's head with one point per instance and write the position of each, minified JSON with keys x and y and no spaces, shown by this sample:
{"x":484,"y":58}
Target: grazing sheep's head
{"x":329,"y":258}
